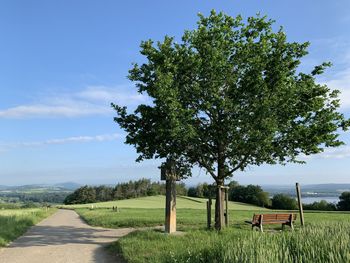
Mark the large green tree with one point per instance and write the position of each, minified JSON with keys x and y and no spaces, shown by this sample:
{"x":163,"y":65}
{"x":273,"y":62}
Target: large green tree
{"x":227,"y":96}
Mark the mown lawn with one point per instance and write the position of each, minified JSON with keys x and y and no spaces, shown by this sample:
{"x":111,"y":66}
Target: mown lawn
{"x":149,"y":211}
{"x":159,"y":202}
{"x":15,"y":222}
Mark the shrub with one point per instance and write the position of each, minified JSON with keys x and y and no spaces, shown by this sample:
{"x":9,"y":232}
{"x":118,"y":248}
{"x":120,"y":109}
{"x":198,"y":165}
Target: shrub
{"x":283,"y":201}
{"x":250,"y":194}
{"x":344,"y":203}
{"x":320,"y":206}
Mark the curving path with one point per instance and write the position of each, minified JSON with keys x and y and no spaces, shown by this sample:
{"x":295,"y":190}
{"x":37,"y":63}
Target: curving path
{"x":63,"y":238}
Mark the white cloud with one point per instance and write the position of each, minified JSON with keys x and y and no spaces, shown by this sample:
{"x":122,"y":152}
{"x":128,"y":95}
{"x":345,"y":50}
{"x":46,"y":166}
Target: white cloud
{"x":342,"y":82}
{"x":341,"y":152}
{"x":62,"y":110}
{"x":105,"y":94}
{"x":90,"y":101}
{"x":76,"y":139}
{"x":336,"y":153}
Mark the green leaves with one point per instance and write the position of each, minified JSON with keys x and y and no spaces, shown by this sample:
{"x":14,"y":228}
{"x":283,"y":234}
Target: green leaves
{"x":228,"y":96}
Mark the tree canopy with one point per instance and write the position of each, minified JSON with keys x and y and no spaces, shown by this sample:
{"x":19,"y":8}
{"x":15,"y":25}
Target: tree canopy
{"x":229,"y":95}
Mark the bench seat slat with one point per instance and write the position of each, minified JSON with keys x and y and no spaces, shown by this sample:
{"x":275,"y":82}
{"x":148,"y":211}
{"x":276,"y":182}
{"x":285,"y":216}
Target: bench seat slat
{"x":274,"y":222}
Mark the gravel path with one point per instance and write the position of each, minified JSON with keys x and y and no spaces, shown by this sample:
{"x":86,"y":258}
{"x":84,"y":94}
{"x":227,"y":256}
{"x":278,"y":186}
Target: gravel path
{"x":63,"y":238}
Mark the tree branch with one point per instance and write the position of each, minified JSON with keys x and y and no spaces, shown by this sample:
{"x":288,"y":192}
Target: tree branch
{"x":239,"y":165}
{"x":209,"y":169}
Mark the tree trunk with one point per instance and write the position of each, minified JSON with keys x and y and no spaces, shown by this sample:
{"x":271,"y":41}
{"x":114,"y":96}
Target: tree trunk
{"x":219,"y":206}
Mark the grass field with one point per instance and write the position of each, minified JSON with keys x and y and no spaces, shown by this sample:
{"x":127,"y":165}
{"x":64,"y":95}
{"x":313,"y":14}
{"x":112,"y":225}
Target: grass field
{"x":15,"y":222}
{"x":316,"y":243}
{"x":325,"y":238}
{"x":159,"y":202}
{"x":149,"y":211}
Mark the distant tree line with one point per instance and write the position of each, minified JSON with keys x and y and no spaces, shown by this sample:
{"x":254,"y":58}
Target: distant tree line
{"x":250,"y":194}
{"x":283,"y":201}
{"x":254,"y":194}
{"x":131,"y":189}
{"x":321,"y":205}
{"x":40,"y":197}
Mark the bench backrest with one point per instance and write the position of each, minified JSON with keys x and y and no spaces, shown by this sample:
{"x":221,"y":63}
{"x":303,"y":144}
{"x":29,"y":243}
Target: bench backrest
{"x":274,"y":217}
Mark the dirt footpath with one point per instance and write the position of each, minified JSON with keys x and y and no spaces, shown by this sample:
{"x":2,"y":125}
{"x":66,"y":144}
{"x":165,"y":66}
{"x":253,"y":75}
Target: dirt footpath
{"x":63,"y":237}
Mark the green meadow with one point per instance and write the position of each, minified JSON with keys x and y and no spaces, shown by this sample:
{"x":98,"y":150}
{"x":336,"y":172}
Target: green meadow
{"x":151,"y":202}
{"x":325,"y":237}
{"x":15,"y":222}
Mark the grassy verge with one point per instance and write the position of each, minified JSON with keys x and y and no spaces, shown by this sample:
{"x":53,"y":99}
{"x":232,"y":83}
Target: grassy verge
{"x":321,"y":242}
{"x":325,"y":238}
{"x":15,"y":222}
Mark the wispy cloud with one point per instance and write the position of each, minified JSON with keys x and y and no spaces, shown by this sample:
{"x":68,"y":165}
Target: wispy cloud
{"x":337,"y":50}
{"x":47,"y":110}
{"x":75,"y":139}
{"x":341,"y":81}
{"x":105,"y":94}
{"x":336,"y":153}
{"x":93,"y":100}
{"x":331,"y":153}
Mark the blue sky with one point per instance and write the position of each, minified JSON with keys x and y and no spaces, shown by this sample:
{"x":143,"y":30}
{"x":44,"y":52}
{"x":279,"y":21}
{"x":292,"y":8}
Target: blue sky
{"x":63,"y":62}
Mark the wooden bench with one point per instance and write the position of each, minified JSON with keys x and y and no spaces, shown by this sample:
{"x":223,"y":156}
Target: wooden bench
{"x":264,"y":219}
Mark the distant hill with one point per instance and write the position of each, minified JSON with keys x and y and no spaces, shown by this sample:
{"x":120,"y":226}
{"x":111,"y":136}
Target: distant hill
{"x":312,"y":190}
{"x":329,"y":187}
{"x":38,"y":193}
{"x":68,"y":185}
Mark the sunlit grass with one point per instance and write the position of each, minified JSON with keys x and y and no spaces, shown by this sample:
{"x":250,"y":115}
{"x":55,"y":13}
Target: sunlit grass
{"x":159,"y":202}
{"x":325,"y":238}
{"x":321,"y":242}
{"x":15,"y":222}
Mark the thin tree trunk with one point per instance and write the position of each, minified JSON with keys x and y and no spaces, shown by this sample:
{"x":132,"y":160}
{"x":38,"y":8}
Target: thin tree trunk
{"x":219,"y":208}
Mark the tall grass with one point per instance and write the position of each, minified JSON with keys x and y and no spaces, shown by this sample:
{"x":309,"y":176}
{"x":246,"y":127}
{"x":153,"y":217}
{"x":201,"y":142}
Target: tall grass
{"x":317,"y":242}
{"x":15,"y":222}
{"x":326,"y":237}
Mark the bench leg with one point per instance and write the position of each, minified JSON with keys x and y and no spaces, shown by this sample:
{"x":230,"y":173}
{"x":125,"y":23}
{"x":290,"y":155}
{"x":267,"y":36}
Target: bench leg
{"x":291,"y":226}
{"x":259,"y":227}
{"x":283,"y":225}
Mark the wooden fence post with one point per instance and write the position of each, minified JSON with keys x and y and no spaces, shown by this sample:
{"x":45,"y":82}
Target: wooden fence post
{"x":300,"y":204}
{"x":226,"y":206}
{"x":209,"y":213}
